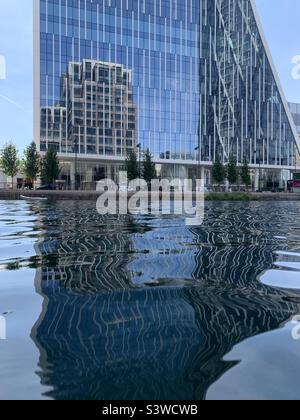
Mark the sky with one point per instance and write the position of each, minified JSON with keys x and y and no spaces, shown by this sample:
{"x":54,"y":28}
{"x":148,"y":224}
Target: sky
{"x":280,"y":19}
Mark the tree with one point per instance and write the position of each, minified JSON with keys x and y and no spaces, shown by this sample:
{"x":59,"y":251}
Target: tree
{"x":132,"y":166}
{"x":232,"y":171}
{"x":50,"y":168}
{"x":31,"y":162}
{"x":245,"y":174}
{"x":9,"y":161}
{"x":218,"y":171}
{"x":149,"y":171}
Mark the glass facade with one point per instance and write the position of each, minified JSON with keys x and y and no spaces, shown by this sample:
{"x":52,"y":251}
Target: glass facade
{"x":194,"y":80}
{"x":96,"y":114}
{"x":295,"y":110}
{"x":244,"y":112}
{"x":157,"y":41}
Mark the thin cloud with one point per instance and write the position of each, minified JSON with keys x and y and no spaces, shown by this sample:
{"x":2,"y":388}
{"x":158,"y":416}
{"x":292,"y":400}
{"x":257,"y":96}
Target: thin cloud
{"x":12,"y":102}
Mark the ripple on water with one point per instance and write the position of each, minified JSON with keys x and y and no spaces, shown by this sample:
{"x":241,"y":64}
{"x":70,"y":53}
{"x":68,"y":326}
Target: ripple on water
{"x":18,"y":234}
{"x":284,"y":279}
{"x":148,"y":306}
{"x":285,"y":274}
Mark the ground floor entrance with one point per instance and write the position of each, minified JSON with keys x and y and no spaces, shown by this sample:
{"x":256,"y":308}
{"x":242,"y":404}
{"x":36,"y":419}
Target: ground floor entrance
{"x":84,"y":175}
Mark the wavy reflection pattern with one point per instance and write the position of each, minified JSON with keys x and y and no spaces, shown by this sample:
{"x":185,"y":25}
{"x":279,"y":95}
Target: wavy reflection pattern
{"x":106,"y":332}
{"x":160,"y":343}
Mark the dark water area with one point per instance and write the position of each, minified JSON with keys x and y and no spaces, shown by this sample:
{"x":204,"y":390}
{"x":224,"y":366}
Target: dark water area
{"x":141,"y":307}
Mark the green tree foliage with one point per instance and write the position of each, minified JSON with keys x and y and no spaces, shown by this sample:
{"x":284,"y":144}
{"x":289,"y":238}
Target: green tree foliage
{"x":31,"y":164}
{"x":50,"y":168}
{"x":218,"y":171}
{"x":132,"y":166}
{"x":232,"y":171}
{"x":9,"y":161}
{"x":245,"y":174}
{"x":149,"y":171}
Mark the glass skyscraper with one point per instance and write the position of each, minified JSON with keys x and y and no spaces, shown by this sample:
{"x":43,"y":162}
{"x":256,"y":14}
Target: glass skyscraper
{"x":188,"y":79}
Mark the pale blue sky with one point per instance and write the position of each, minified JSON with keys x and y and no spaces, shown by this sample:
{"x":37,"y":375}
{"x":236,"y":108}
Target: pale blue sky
{"x":280,"y":20}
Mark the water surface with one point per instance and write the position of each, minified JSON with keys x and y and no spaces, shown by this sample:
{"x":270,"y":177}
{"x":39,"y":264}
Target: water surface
{"x":147,"y":308}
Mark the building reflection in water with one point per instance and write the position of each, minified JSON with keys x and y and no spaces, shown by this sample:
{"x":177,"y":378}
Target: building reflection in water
{"x":106,"y":332}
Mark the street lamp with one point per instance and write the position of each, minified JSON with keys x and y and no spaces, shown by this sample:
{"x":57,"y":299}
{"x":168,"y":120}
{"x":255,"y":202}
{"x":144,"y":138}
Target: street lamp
{"x":197,"y":149}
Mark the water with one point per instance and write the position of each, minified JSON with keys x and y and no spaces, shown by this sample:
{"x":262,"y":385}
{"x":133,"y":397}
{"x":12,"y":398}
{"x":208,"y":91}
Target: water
{"x":147,"y":308}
